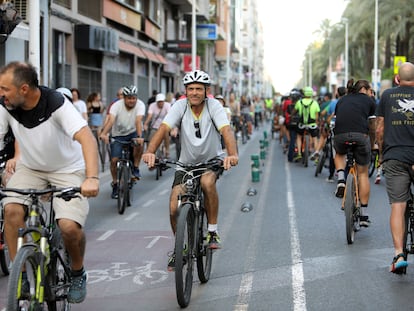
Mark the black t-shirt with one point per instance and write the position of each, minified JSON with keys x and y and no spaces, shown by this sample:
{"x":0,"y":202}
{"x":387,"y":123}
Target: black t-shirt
{"x":397,"y":107}
{"x":352,"y":112}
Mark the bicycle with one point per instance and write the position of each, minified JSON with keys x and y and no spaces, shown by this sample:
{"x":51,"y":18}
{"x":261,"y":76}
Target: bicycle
{"x":408,"y":246}
{"x":306,"y":142}
{"x":350,"y":202}
{"x":191,"y":233}
{"x":244,"y":129}
{"x":327,"y":153}
{"x":103,"y":149}
{"x":41,"y":254}
{"x":4,"y":251}
{"x":124,"y":177}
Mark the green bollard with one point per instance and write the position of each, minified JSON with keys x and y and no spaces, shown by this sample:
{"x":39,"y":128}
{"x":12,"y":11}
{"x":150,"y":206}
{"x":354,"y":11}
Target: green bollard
{"x":265,"y":134}
{"x":262,"y":150}
{"x":255,"y":167}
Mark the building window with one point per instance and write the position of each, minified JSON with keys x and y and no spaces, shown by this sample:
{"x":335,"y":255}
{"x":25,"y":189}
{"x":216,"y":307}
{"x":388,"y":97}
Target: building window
{"x":136,"y":4}
{"x":90,"y":8}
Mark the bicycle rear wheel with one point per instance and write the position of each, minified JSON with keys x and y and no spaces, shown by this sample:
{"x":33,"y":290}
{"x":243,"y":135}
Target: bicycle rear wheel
{"x":321,"y":163}
{"x":58,"y":277}
{"x":204,"y":254}
{"x":184,"y":254}
{"x":349,"y":208}
{"x":24,"y":297}
{"x":306,"y":151}
{"x":123,"y":188}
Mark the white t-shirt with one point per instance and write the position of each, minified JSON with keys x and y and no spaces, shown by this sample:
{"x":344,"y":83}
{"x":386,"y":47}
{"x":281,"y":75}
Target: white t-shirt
{"x":80,"y":105}
{"x":45,"y":133}
{"x":158,"y":114}
{"x":193,"y":149}
{"x":125,"y":119}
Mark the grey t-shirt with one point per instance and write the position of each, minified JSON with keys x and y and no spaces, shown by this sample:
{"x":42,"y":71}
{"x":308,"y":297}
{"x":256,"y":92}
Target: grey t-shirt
{"x":193,"y":149}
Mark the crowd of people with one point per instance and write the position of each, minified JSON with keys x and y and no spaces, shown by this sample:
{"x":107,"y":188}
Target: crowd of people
{"x":205,"y":127}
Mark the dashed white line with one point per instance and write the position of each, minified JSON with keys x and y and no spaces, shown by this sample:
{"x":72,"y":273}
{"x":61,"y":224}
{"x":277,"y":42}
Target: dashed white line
{"x":106,"y":235}
{"x":148,"y":203}
{"x":130,"y":217}
{"x":298,"y":282}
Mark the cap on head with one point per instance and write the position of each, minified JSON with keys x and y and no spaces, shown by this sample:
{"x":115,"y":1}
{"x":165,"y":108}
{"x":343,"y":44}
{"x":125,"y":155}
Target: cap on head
{"x":219,"y":96}
{"x":308,"y":91}
{"x":197,"y":76}
{"x":131,"y":90}
{"x":160,"y":97}
{"x":65,"y":92}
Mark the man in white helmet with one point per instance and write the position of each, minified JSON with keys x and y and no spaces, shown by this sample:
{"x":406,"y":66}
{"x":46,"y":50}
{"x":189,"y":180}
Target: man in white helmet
{"x":201,"y":120}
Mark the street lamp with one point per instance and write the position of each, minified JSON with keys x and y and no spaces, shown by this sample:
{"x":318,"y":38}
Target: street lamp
{"x":376,"y":74}
{"x":345,"y":21}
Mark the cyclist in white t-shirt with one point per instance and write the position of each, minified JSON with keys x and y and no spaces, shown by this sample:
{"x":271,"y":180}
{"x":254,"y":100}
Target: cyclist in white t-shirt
{"x":201,"y":120}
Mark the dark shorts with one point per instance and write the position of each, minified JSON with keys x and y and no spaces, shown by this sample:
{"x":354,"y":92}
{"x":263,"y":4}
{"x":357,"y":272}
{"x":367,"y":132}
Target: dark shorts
{"x":398,"y":177}
{"x":361,"y":150}
{"x":116,"y":147}
{"x":180,"y":176}
{"x":312,"y":130}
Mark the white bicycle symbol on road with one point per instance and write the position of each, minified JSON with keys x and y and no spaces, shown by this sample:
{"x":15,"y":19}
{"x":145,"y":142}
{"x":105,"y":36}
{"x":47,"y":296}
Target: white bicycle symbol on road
{"x":115,"y":273}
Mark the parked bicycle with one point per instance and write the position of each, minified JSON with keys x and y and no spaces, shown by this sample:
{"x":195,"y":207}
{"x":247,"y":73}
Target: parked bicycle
{"x":350,"y":202}
{"x":191,"y":234}
{"x":41,"y":274}
{"x":124,"y":177}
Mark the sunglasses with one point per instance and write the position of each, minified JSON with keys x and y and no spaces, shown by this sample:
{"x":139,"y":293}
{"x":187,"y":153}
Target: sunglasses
{"x":197,"y":127}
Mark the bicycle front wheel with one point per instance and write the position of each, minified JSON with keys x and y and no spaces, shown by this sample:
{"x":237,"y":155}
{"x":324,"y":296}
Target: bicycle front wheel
{"x":123,"y":188}
{"x":25,"y":293}
{"x":184,"y":254}
{"x":4,"y":255}
{"x":204,"y":254}
{"x":58,"y":277}
{"x":349,"y":208}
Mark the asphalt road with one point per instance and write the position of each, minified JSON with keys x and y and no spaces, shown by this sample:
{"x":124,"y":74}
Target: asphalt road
{"x":289,"y":253}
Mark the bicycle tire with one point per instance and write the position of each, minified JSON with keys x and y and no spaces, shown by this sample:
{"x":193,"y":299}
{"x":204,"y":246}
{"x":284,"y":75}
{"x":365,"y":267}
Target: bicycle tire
{"x":244,"y":133}
{"x":58,"y":278}
{"x":204,"y":254}
{"x":27,"y":259}
{"x":373,"y":163}
{"x":408,"y":246}
{"x":4,"y":255}
{"x":184,"y":251}
{"x":102,"y":152}
{"x":123,"y":188}
{"x":306,"y":151}
{"x":349,"y":208}
{"x":321,"y":163}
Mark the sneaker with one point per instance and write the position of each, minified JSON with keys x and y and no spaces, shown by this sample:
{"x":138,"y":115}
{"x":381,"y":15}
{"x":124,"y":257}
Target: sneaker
{"x":364,"y":221}
{"x":171,"y":259}
{"x":298,"y":157}
{"x":136,"y":173}
{"x":378,"y":180}
{"x":340,"y":189}
{"x":114,"y":194}
{"x":330,"y":179}
{"x":314,"y":156}
{"x":213,"y":240}
{"x":25,"y":286}
{"x":77,"y":290}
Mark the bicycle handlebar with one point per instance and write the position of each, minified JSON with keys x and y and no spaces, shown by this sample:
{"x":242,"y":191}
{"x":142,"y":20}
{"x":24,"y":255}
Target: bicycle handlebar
{"x":66,"y":193}
{"x":210,"y":163}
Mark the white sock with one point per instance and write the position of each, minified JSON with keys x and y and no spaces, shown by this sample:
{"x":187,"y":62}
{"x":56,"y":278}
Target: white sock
{"x":212,"y":228}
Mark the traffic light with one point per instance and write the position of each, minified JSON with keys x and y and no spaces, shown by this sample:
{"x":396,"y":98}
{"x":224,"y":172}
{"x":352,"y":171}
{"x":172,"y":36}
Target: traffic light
{"x":9,"y":19}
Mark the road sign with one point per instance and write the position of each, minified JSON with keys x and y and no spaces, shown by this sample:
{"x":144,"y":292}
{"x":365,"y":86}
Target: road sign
{"x":207,"y":32}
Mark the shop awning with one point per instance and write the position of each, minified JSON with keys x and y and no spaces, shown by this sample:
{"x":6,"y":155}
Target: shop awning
{"x":127,"y":47}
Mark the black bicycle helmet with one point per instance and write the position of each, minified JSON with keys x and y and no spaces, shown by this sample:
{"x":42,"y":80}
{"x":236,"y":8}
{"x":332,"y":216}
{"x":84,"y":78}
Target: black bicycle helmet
{"x":131,"y":90}
{"x":197,"y":76}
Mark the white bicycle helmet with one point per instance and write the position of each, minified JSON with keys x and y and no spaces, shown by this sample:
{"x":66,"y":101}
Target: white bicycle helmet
{"x":65,"y":92}
{"x":197,"y":76}
{"x":131,"y":90}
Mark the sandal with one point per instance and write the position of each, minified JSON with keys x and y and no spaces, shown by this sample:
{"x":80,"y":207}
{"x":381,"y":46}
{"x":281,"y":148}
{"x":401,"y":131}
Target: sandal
{"x":399,"y":267}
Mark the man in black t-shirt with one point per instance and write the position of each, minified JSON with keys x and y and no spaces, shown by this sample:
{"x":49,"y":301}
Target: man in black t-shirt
{"x":351,"y":125}
{"x":395,"y":139}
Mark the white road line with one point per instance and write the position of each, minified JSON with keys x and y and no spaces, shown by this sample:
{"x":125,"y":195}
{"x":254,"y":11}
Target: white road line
{"x":298,"y":282}
{"x":247,"y":278}
{"x":165,"y":191}
{"x":133,"y":215}
{"x":148,"y":203}
{"x":106,"y":235}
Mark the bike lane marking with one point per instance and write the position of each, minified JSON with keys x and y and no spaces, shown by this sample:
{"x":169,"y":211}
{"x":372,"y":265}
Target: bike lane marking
{"x":148,"y":203}
{"x":132,"y":216}
{"x":106,"y":235}
{"x":246,"y":283}
{"x":298,"y":286}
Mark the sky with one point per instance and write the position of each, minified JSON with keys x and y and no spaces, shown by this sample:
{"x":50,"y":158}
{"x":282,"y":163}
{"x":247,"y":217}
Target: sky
{"x":288,"y":29}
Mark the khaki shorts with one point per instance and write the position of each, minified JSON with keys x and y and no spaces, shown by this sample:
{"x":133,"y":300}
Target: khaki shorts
{"x":76,"y":209}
